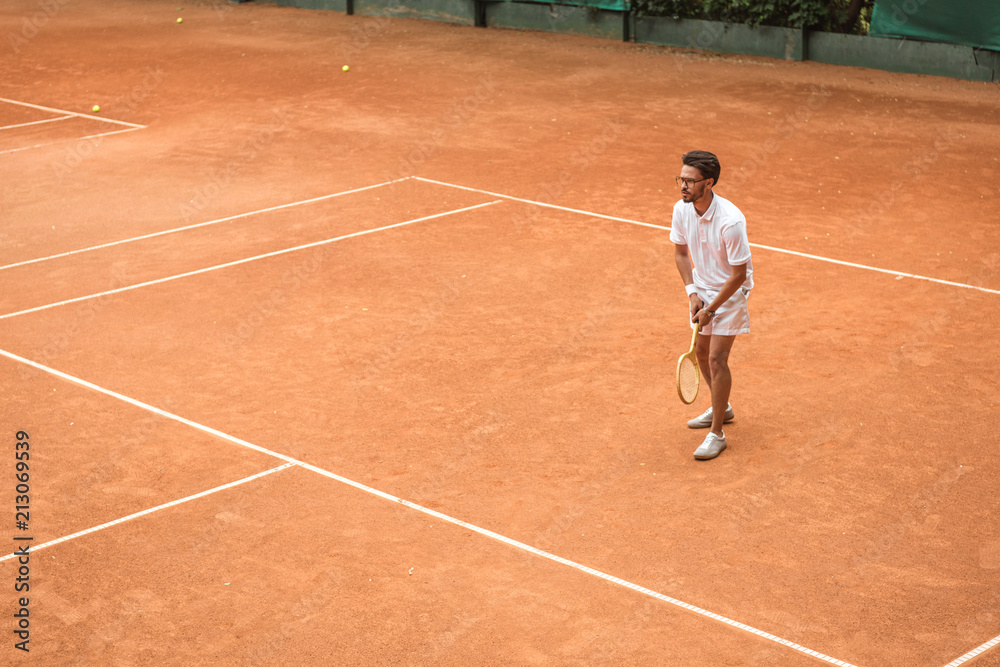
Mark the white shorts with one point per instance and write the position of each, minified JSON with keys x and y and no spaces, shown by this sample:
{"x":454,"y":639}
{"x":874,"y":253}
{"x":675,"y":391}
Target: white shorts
{"x":732,"y":317}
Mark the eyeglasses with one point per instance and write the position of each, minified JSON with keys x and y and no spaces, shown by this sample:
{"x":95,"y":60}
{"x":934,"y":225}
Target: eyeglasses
{"x":687,"y":182}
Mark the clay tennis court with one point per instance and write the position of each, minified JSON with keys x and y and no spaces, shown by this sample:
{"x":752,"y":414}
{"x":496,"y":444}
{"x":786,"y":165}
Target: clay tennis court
{"x":377,"y":365}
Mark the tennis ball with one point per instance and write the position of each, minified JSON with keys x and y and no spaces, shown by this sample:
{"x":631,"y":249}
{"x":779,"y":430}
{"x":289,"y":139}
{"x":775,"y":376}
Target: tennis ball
{"x":96,"y":108}
{"x":180,"y":20}
{"x":346,"y":68}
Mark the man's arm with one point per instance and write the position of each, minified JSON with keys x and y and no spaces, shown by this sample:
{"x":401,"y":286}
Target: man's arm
{"x":683,"y":261}
{"x":733,"y":283}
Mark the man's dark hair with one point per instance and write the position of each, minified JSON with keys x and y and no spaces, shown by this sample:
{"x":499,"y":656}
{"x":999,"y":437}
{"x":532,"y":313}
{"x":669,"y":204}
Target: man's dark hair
{"x":704,"y":162}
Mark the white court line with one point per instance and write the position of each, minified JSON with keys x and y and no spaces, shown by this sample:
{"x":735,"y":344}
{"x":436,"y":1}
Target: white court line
{"x":875,"y":268}
{"x":420,"y":508}
{"x":35,"y":547}
{"x":35,"y":122}
{"x":72,"y":113}
{"x":89,"y":136}
{"x":244,"y":261}
{"x":754,"y":245}
{"x":974,"y":652}
{"x":200,"y":224}
{"x":540,"y":203}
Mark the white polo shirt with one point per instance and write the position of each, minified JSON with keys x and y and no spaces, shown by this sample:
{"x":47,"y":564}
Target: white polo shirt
{"x":716,"y":241}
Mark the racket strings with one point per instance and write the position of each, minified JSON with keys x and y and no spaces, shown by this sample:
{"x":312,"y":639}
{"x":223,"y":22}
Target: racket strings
{"x":687,"y":378}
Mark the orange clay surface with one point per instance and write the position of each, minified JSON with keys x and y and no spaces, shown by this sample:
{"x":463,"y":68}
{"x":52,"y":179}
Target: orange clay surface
{"x":508,"y":365}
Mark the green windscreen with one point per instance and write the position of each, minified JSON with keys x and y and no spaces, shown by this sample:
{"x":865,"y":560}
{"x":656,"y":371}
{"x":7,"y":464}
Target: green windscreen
{"x":969,"y":22}
{"x":617,"y":5}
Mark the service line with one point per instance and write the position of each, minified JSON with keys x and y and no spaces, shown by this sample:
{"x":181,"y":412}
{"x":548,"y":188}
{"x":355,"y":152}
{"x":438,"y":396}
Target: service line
{"x":36,"y":122}
{"x":200,"y":224}
{"x":420,"y":508}
{"x":136,"y":515}
{"x":865,"y":267}
{"x":89,"y":136}
{"x":244,"y":261}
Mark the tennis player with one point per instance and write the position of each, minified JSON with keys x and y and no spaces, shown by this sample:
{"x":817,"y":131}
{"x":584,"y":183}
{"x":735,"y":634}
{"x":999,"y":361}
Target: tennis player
{"x":713,"y":257}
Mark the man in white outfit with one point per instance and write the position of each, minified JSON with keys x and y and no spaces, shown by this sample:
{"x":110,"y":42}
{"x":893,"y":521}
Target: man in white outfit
{"x":712,"y":254}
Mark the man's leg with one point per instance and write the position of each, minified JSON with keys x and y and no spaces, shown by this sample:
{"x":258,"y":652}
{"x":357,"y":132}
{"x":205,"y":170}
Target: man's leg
{"x":701,"y":349}
{"x":722,"y":380}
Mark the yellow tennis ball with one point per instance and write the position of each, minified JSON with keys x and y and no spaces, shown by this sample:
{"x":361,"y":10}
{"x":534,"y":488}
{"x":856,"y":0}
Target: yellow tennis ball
{"x":180,"y":20}
{"x":96,"y":108}
{"x":346,"y":68}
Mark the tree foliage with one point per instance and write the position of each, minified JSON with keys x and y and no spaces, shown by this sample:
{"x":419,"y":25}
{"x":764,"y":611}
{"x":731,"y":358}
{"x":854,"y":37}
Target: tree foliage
{"x":831,"y":15}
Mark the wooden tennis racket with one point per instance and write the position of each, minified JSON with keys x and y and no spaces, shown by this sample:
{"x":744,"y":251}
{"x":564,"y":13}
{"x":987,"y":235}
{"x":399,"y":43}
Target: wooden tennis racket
{"x":688,"y":377}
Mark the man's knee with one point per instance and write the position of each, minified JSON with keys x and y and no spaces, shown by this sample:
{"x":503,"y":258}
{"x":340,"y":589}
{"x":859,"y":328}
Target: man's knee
{"x":718,"y":363}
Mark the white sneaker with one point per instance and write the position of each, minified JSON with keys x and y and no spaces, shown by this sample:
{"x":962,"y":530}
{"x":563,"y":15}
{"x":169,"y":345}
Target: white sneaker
{"x":712,"y":447}
{"x":705,"y":420}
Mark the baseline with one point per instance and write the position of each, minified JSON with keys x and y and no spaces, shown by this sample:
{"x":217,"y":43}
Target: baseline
{"x":199,"y":224}
{"x":753,"y":245}
{"x":244,"y":261}
{"x":144,"y":512}
{"x":425,"y":510}
{"x":89,"y":136}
